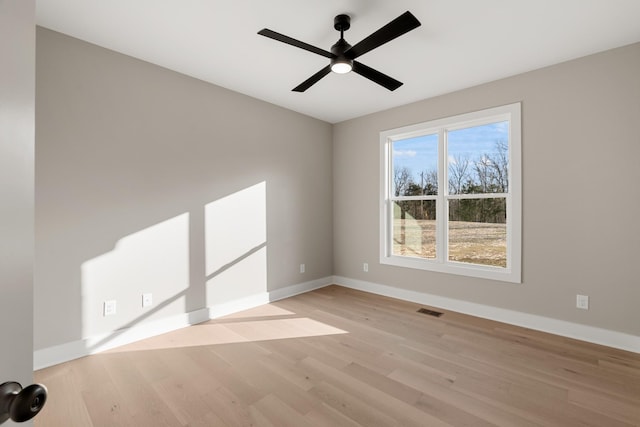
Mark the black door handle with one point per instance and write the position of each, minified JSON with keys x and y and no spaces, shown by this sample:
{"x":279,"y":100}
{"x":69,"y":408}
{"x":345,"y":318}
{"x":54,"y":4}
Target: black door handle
{"x":21,"y":404}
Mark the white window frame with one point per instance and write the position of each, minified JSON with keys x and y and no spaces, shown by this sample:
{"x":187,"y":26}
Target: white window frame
{"x":512,"y":272}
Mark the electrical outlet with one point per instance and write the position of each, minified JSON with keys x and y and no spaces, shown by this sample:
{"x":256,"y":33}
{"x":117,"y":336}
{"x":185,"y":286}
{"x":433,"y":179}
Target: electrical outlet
{"x":302,"y":268}
{"x":147,"y":300}
{"x":582,"y":302}
{"x":365,"y":267}
{"x":110,"y":307}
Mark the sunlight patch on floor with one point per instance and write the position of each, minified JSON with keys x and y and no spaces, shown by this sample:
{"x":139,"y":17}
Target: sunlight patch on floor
{"x":266,"y":310}
{"x":234,"y":332}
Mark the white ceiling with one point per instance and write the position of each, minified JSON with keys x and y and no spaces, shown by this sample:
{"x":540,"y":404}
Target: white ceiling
{"x":461,"y":43}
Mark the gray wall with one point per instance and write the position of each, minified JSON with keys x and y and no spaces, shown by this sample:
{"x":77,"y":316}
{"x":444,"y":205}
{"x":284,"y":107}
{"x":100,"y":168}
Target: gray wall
{"x":142,"y":174}
{"x":581,"y":198}
{"x":17,"y":99}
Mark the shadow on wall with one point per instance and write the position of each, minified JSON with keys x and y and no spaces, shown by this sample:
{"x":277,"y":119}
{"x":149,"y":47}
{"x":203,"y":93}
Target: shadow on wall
{"x":158,"y":260}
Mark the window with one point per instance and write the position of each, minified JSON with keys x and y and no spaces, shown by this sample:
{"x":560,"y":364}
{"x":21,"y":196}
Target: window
{"x":451,"y":195}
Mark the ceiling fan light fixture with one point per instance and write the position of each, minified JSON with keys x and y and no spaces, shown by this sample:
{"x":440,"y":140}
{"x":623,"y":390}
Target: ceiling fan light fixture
{"x":341,"y":66}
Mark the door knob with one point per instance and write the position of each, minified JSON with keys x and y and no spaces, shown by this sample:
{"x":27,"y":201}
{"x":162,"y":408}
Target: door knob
{"x":21,"y":404}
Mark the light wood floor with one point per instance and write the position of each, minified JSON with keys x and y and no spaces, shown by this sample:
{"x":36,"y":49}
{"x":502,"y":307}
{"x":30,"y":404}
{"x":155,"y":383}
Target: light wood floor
{"x":339,"y":357}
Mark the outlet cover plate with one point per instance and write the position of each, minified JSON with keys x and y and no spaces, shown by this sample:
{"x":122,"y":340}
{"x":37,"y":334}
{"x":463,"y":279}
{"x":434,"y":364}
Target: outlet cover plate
{"x":147,"y":300}
{"x":582,"y":302}
{"x":110,"y":307}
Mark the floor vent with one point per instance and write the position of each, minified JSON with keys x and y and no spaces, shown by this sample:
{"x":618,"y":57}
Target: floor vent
{"x":430,"y":312}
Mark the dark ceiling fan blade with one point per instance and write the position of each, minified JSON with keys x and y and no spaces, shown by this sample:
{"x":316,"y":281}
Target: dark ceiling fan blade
{"x":293,"y":42}
{"x":376,"y":76}
{"x":312,"y":80}
{"x":399,"y":26}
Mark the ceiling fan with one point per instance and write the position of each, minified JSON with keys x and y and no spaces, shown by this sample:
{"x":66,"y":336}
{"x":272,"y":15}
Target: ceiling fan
{"x":343,"y":55}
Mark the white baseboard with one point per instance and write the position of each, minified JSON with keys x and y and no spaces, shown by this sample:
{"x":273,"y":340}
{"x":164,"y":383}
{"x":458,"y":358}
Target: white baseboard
{"x":54,"y":355}
{"x":65,"y":352}
{"x":554,"y":326}
{"x":72,"y":350}
{"x":301,"y":288}
{"x":256,"y":300}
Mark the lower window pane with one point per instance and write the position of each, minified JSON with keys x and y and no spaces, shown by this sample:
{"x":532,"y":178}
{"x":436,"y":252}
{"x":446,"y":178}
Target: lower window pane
{"x":414,"y":228}
{"x":478,"y":231}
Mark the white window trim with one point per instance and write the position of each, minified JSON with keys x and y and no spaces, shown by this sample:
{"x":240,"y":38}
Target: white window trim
{"x":513,"y":272}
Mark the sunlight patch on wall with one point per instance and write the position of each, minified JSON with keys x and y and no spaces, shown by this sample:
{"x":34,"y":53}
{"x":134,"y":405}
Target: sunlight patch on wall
{"x":236,"y":245}
{"x":153,"y":260}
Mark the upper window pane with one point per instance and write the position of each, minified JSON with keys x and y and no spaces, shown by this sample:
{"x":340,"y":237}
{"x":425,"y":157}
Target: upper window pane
{"x":415,"y":166}
{"x":478,"y":159}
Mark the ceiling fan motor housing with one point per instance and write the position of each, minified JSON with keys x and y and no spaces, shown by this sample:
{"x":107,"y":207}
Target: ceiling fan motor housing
{"x":340,"y":59}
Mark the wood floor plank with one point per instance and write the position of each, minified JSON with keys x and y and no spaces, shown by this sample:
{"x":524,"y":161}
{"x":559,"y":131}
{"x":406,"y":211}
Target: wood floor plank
{"x":625,"y":411}
{"x":230,"y":408}
{"x":382,"y":382}
{"x":341,"y":357}
{"x":329,"y":417}
{"x":59,"y":410}
{"x":434,"y":392}
{"x":286,"y":370}
{"x":144,"y":406}
{"x":271,"y":385}
{"x":186,"y":403}
{"x":278,"y":413}
{"x":352,"y":406}
{"x":361,"y":393}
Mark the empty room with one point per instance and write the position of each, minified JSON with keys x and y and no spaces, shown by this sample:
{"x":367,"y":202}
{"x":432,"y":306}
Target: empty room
{"x":337,"y":213}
